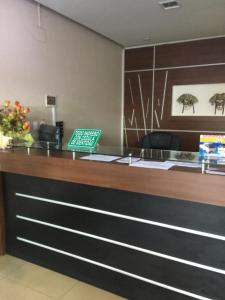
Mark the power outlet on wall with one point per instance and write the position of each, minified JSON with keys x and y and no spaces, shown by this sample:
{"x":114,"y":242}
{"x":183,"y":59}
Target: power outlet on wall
{"x":50,"y":101}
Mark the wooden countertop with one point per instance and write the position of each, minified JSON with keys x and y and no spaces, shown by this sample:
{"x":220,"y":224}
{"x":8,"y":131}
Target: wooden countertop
{"x":180,"y":183}
{"x":184,"y":184}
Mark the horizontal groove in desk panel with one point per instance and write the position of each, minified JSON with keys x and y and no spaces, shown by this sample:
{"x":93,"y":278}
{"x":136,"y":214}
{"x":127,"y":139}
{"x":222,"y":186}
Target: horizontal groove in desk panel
{"x":125,"y":286}
{"x":183,"y":245}
{"x":160,"y":209}
{"x":169,"y":272}
{"x":188,"y":214}
{"x":121,"y":216}
{"x":114,"y":242}
{"x":111,"y":268}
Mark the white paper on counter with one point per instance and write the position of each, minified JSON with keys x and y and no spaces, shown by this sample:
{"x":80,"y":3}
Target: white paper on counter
{"x":126,"y":160}
{"x":185,"y":164}
{"x":153,"y":164}
{"x":215,"y":172}
{"x":100,"y":157}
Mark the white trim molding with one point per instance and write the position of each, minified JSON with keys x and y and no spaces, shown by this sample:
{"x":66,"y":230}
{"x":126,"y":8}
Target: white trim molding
{"x":176,"y":42}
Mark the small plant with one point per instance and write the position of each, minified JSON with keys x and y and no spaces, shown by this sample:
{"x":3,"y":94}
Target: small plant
{"x":188,"y":101}
{"x":13,"y":121}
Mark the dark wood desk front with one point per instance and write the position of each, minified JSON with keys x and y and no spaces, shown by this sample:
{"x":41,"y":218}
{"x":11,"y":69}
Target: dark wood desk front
{"x":140,"y":233}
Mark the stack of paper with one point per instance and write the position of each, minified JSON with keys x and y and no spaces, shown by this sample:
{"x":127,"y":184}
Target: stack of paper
{"x":185,"y":164}
{"x":126,"y":160}
{"x":153,"y":164}
{"x":215,"y":172}
{"x":99,"y":157}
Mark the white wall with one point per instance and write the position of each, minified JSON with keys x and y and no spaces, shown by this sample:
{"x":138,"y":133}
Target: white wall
{"x":80,"y":67}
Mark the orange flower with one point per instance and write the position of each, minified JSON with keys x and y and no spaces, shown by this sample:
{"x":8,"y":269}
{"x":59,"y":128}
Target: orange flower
{"x":6,"y":103}
{"x":18,"y":107}
{"x":26,"y":110}
{"x":16,"y":104}
{"x":26,"y":126}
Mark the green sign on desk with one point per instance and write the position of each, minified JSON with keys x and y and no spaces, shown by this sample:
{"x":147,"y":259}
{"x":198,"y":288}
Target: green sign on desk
{"x":84,"y":139}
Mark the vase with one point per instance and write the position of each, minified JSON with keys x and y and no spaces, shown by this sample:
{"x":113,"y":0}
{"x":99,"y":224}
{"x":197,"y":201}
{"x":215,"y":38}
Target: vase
{"x":5,"y":141}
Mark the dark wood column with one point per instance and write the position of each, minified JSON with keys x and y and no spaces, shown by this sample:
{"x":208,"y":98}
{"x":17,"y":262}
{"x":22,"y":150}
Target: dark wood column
{"x":2,"y":219}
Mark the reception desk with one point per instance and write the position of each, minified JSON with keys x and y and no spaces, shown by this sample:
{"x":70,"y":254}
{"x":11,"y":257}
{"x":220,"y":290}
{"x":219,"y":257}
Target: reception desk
{"x":139,"y":233}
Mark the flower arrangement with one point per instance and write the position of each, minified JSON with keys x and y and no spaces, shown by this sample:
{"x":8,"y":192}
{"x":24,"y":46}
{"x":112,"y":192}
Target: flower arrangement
{"x":13,"y":121}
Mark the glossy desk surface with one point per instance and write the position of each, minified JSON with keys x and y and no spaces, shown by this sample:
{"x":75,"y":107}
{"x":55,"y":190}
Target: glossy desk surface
{"x":66,"y":165}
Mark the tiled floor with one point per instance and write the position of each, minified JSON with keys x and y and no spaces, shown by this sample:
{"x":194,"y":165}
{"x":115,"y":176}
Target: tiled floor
{"x":20,"y":280}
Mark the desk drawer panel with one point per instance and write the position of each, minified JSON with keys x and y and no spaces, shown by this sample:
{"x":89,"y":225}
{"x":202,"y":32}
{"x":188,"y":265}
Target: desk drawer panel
{"x":184,"y":277}
{"x":201,"y":217}
{"x":115,"y":282}
{"x":163,"y":243}
{"x":191,"y":247}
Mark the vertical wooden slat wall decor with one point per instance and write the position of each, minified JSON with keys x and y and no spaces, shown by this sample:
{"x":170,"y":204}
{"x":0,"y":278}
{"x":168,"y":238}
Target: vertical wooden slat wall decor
{"x":2,"y":219}
{"x":150,"y":74}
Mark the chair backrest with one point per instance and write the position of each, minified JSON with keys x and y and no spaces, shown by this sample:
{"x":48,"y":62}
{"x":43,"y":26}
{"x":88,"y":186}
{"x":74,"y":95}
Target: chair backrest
{"x":161,"y":140}
{"x":48,"y":133}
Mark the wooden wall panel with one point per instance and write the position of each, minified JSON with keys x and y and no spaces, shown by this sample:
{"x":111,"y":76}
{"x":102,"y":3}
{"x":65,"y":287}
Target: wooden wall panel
{"x":138,"y":101}
{"x":189,"y":140}
{"x":132,"y":138}
{"x":209,"y":51}
{"x":139,"y":59}
{"x":204,"y":75}
{"x":2,"y":218}
{"x":174,"y":66}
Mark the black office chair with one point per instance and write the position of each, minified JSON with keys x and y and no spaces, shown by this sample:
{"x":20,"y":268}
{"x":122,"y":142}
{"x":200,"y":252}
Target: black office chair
{"x":161,"y":140}
{"x":49,"y":136}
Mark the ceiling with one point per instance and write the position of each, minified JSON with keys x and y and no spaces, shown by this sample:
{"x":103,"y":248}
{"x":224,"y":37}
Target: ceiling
{"x":129,"y":22}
